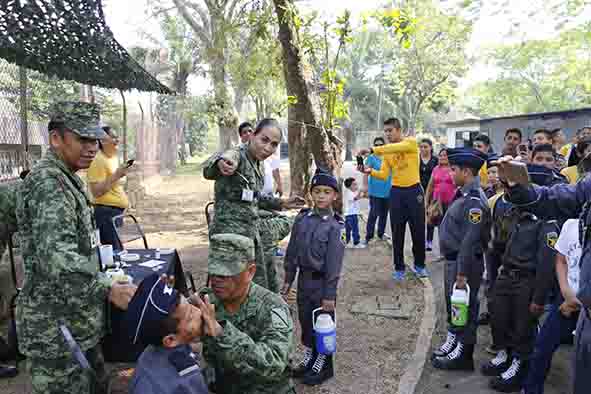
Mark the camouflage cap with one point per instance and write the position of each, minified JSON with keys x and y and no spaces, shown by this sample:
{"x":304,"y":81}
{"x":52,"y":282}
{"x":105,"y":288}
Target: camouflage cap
{"x":229,"y":254}
{"x":79,"y":117}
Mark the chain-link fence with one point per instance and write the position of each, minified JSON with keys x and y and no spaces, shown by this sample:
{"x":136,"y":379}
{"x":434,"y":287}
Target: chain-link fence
{"x":22,"y":138}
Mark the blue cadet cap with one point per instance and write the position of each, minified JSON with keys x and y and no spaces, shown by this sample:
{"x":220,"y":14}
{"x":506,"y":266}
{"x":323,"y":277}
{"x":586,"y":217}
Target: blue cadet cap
{"x":153,"y":302}
{"x":543,"y":176}
{"x":466,"y":157}
{"x":324,"y":178}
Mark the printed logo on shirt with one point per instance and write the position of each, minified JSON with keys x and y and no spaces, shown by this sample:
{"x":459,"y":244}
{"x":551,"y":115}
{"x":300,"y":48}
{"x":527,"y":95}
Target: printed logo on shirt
{"x":551,"y":239}
{"x":344,"y":237}
{"x":420,"y":198}
{"x":475,"y":215}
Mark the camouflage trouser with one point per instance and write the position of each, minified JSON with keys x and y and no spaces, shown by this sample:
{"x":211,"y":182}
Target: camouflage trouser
{"x":272,"y":229}
{"x":65,"y":376}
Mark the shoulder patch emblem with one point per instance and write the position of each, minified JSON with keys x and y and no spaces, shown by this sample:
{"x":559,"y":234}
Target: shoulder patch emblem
{"x":344,"y":237}
{"x":551,"y":239}
{"x":279,"y":318}
{"x":475,"y":215}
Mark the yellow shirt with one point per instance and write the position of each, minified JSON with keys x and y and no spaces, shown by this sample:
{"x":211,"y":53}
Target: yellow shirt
{"x":571,"y":173}
{"x":483,"y":174}
{"x":101,"y":168}
{"x":565,"y":150}
{"x":401,"y":159}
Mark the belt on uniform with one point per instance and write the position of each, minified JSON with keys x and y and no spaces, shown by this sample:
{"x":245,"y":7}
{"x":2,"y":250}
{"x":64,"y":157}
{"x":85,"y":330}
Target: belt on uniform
{"x":315,"y":275}
{"x":515,"y":274}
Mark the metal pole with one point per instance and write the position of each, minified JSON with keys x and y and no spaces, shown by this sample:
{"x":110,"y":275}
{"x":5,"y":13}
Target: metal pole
{"x":23,"y":115}
{"x":124,"y":126}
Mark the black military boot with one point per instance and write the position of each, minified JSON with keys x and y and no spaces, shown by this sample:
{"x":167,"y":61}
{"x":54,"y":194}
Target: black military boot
{"x":305,"y":364}
{"x":321,"y":371}
{"x":497,"y":365}
{"x":446,"y":348}
{"x":6,"y":371}
{"x":511,"y":380}
{"x":460,"y":359}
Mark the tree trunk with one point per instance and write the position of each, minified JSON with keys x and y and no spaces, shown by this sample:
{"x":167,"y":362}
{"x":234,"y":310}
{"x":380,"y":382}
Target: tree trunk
{"x":305,"y":127}
{"x":226,"y":116}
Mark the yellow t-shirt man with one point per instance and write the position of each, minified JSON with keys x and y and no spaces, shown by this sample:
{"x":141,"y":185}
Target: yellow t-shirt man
{"x":102,"y":168}
{"x":483,"y":174}
{"x":401,"y":159}
{"x":571,"y":173}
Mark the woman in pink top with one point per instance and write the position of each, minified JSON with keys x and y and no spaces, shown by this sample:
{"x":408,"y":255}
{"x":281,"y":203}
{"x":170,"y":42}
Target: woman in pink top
{"x":441,"y":188}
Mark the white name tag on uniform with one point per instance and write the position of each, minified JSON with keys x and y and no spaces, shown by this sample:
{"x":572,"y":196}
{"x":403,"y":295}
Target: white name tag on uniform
{"x":95,"y":238}
{"x":247,"y":195}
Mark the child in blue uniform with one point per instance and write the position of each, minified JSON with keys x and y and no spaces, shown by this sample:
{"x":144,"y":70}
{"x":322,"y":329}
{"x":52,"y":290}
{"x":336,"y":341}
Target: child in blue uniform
{"x":315,"y":254}
{"x":157,"y":316}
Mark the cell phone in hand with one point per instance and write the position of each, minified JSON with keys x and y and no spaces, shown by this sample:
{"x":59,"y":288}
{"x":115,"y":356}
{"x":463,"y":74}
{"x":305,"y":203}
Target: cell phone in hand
{"x":360,"y":165}
{"x":514,"y":171}
{"x":522,"y":148}
{"x":130,"y":163}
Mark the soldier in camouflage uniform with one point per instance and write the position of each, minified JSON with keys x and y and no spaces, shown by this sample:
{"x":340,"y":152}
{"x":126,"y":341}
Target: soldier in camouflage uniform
{"x":8,"y":193}
{"x":58,"y":239}
{"x":248,"y":329}
{"x":239,"y":179}
{"x":273,"y":227}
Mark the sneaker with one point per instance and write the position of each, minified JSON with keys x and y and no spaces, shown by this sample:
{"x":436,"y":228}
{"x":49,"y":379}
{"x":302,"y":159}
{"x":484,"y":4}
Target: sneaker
{"x":305,"y":364}
{"x":451,"y":341}
{"x":398,"y":276}
{"x":511,"y":380}
{"x":360,"y":245}
{"x":321,"y":371}
{"x":497,"y":365}
{"x":420,"y":272}
{"x":350,"y":246}
{"x":365,"y":242}
{"x":385,"y":237}
{"x":429,"y":246}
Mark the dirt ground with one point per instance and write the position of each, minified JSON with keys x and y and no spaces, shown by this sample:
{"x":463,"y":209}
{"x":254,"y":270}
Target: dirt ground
{"x":372,"y":351}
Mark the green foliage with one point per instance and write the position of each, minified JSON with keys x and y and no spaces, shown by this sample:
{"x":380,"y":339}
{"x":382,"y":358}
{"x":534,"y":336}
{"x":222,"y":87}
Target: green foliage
{"x":197,"y":125}
{"x":536,"y":76}
{"x":427,"y":59}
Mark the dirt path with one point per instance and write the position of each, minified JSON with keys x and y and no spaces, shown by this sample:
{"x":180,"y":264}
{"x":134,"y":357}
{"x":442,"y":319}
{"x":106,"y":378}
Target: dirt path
{"x":372,"y":351}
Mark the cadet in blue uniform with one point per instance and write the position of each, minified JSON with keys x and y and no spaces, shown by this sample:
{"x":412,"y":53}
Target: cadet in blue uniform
{"x":464,"y":234}
{"x":526,"y":277}
{"x":316,"y":251}
{"x":157,"y":316}
{"x":563,"y":202}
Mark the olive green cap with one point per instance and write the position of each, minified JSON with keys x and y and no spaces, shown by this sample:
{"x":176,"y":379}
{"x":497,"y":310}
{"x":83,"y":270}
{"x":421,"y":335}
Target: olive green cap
{"x":229,"y":254}
{"x":79,"y":117}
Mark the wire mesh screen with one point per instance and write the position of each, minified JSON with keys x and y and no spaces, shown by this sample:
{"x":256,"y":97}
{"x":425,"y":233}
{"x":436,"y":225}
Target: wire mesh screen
{"x":22,"y":137}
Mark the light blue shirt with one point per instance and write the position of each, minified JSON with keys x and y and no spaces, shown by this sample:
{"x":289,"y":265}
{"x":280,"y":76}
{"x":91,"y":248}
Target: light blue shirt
{"x":376,"y":187}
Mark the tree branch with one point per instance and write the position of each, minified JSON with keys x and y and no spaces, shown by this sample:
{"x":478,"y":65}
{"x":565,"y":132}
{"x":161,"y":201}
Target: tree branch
{"x":198,"y":29}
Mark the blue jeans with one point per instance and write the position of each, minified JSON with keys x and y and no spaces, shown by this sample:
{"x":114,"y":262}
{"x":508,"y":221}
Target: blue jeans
{"x":104,"y":215}
{"x":352,"y":226}
{"x":557,"y":329}
{"x":378,"y":211}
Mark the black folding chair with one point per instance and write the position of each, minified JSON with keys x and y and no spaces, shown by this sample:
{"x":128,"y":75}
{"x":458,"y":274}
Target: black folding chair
{"x":209,"y":213}
{"x":128,"y":229}
{"x":12,"y":336}
{"x":209,"y":216}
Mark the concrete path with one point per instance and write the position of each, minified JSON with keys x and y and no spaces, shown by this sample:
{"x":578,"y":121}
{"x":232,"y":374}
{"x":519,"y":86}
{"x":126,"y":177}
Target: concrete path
{"x":434,"y":381}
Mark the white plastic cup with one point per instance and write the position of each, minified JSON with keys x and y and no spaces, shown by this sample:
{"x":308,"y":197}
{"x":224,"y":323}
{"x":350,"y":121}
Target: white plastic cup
{"x":106,"y":252}
{"x":157,"y":254}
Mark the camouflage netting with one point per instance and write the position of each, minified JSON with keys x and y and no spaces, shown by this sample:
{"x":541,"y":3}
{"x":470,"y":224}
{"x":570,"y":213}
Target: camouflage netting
{"x":69,"y":39}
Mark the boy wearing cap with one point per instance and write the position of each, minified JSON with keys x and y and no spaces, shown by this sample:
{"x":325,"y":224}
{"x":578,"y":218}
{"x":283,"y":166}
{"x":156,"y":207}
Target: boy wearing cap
{"x":159,"y":317}
{"x":248,"y":329}
{"x":464,"y":234}
{"x":315,"y":254}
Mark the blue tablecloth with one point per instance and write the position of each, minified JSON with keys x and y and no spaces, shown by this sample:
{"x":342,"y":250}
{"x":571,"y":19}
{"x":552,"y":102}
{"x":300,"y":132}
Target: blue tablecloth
{"x":117,"y":345}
